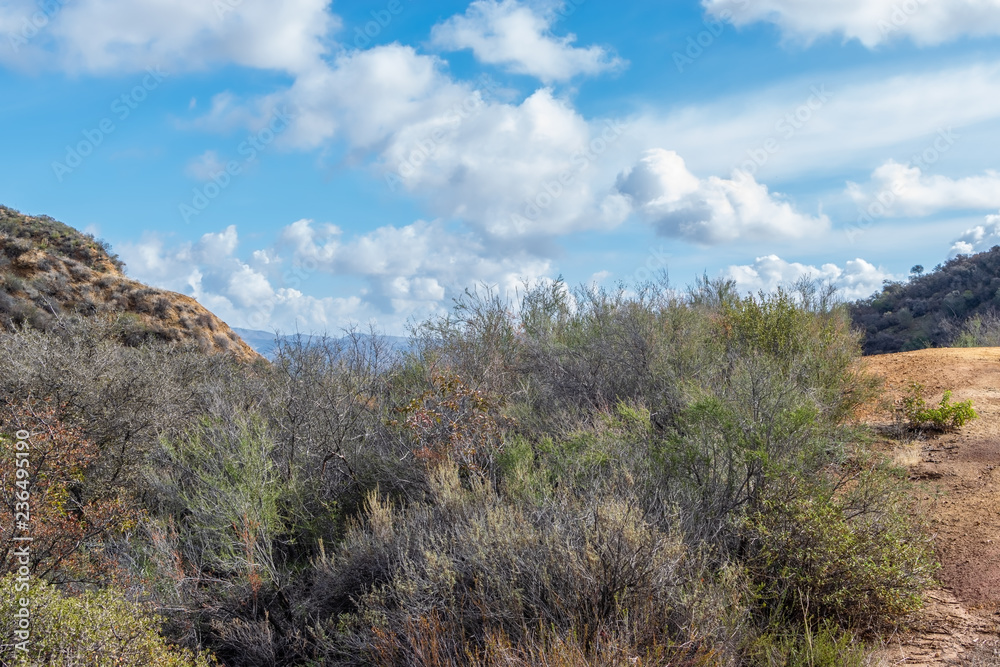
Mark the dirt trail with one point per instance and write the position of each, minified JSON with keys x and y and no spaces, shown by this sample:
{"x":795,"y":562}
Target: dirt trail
{"x":958,"y":479}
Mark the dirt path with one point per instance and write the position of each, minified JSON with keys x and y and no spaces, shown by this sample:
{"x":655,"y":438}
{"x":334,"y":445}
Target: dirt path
{"x":958,"y":478}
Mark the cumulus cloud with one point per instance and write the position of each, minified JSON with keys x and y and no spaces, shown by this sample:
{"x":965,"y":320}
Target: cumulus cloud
{"x":711,"y":210}
{"x":871,"y":22}
{"x":514,"y":171}
{"x":239,"y":292}
{"x":411,"y":267}
{"x":364,"y":97}
{"x":533,"y":169}
{"x":857,"y":279}
{"x":180,"y":268}
{"x":905,"y":190}
{"x":408,"y":272}
{"x":205,"y":166}
{"x":509,"y":170}
{"x":216,"y":246}
{"x":865,"y":118}
{"x":111,"y":36}
{"x":978,"y":239}
{"x":512,"y":35}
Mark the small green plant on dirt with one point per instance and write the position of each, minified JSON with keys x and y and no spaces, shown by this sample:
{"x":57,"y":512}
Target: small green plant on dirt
{"x":945,"y":416}
{"x":825,"y":646}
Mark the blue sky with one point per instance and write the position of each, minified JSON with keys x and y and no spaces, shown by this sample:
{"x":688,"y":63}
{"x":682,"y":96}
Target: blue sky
{"x":308,"y":165}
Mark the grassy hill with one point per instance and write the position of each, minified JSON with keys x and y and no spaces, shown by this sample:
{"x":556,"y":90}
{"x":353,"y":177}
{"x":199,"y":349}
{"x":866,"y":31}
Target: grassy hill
{"x":50,"y":271}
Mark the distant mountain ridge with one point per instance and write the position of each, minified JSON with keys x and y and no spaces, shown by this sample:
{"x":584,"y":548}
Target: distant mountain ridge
{"x":265,"y":343}
{"x":50,"y":271}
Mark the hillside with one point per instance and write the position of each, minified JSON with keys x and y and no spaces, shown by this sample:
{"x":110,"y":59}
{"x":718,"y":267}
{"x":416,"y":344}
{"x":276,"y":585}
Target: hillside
{"x":958,"y":491}
{"x":50,"y":271}
{"x":930,"y":309}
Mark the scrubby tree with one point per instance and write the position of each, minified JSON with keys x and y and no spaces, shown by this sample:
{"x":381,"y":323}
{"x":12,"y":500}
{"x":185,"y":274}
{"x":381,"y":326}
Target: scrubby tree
{"x":43,"y":497}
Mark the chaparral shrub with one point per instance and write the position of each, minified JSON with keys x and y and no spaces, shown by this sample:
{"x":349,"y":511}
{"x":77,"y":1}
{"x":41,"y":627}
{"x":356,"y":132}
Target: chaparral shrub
{"x":102,"y":628}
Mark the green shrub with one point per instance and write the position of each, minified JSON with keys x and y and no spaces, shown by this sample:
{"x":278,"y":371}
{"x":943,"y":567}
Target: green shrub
{"x":729,"y":446}
{"x":814,"y":351}
{"x":588,"y":460}
{"x":228,"y":493}
{"x":945,"y":416}
{"x":13,"y":284}
{"x":592,"y":478}
{"x":100,"y":628}
{"x":979,"y":331}
{"x":827,"y":646}
{"x":850,"y":556}
{"x":469,"y":570}
{"x":520,"y":475}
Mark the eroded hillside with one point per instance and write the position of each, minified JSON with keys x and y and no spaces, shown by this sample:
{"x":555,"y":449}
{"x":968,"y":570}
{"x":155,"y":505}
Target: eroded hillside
{"x":50,"y":271}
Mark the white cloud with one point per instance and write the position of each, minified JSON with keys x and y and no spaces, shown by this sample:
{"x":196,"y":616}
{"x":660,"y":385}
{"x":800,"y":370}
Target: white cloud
{"x":243,"y":294}
{"x":406,"y":273}
{"x":510,"y":34}
{"x":712,"y":210}
{"x":599,"y":277}
{"x":174,"y":268}
{"x":216,"y":247}
{"x":113,"y":36}
{"x":410,"y":267}
{"x":495,"y":164}
{"x":366,"y":97}
{"x":361,"y":97}
{"x":865,"y":119}
{"x":904,"y":190}
{"x":978,"y":239}
{"x":248,"y":287}
{"x":508,"y":170}
{"x":535,"y":169}
{"x":872,"y":22}
{"x":205,"y":166}
{"x":857,"y":279}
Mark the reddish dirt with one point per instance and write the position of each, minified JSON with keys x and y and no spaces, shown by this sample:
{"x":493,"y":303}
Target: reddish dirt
{"x":957,"y":478}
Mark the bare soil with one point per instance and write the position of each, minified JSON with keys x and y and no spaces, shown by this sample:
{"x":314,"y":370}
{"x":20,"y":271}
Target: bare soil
{"x":957,"y":477}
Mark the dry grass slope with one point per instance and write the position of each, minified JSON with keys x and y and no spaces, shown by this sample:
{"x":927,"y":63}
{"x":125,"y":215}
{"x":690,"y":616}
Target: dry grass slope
{"x":50,"y":271}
